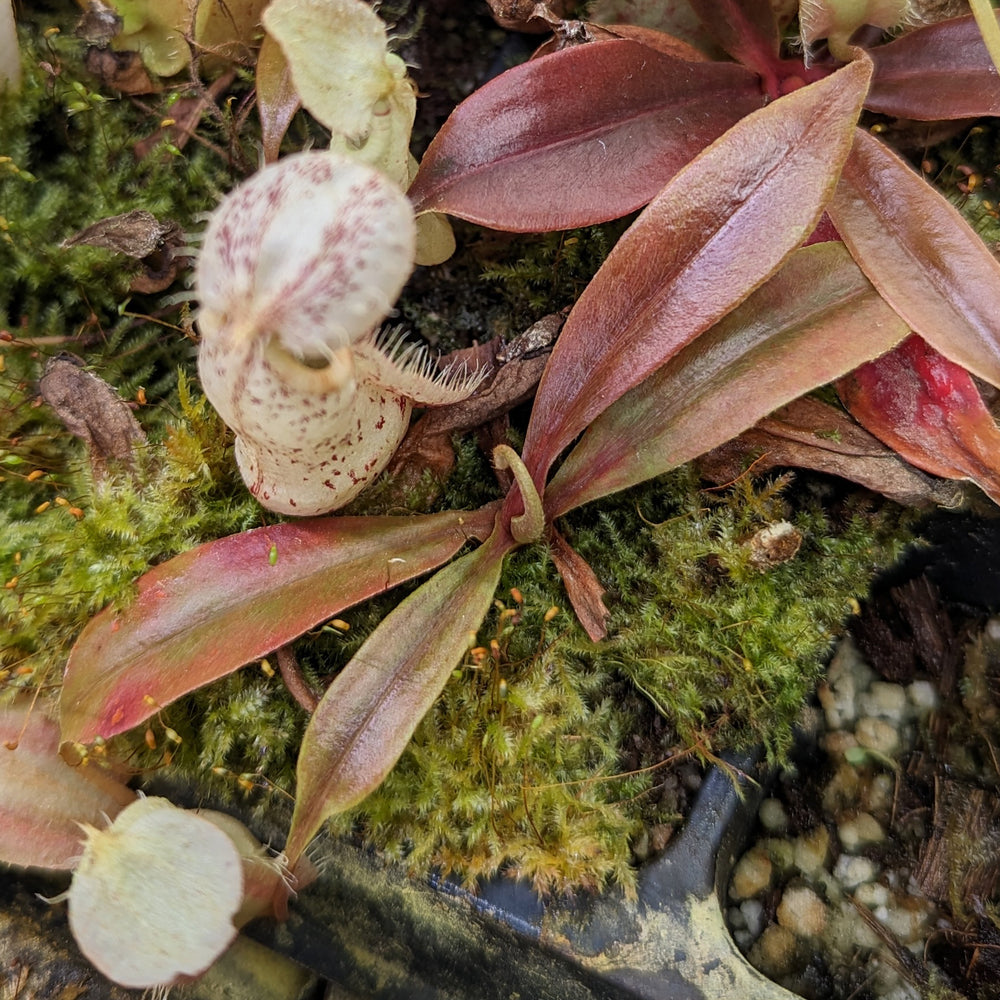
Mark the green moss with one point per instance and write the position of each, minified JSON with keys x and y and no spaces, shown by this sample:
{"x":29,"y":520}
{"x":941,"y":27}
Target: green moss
{"x":544,"y":755}
{"x":541,"y":274}
{"x":727,"y":650}
{"x":517,"y":764}
{"x":72,"y":162}
{"x":526,"y":763}
{"x":62,"y":562}
{"x":69,"y":160}
{"x":967,"y":171}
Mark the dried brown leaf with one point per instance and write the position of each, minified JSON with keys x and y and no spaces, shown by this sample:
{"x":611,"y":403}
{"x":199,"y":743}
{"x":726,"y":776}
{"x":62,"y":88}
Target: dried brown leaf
{"x":135,"y":234}
{"x":91,"y":411}
{"x":121,"y":71}
{"x":515,"y":367}
{"x":809,"y":434}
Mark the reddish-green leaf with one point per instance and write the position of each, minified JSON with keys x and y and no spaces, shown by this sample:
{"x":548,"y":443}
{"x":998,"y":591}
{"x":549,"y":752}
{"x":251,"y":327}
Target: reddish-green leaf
{"x":921,"y":255}
{"x":371,"y":709}
{"x":716,"y":232}
{"x":929,"y":410}
{"x":207,"y":612}
{"x":583,"y":588}
{"x":817,"y":318}
{"x":43,"y":800}
{"x":941,"y":71}
{"x":580,"y":136}
{"x":747,"y":30}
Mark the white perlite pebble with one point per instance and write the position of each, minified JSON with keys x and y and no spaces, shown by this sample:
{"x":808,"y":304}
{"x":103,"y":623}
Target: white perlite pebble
{"x":781,"y":852}
{"x":773,"y":817}
{"x":901,"y":991}
{"x":811,"y":850}
{"x":752,"y":913}
{"x":838,"y":702}
{"x":802,"y":911}
{"x":879,"y":793}
{"x":838,"y":742}
{"x":848,"y":674}
{"x":885,"y":981}
{"x":847,"y":932}
{"x":877,"y":734}
{"x":826,"y":885}
{"x":859,"y":832}
{"x":908,"y":919}
{"x":843,"y":789}
{"x":923,"y":696}
{"x":752,"y":874}
{"x":884,"y":701}
{"x":852,"y":871}
{"x":872,"y":895}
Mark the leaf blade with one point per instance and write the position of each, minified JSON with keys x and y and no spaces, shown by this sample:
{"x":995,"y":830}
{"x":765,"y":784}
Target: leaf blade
{"x":776,"y":346}
{"x":929,"y":411}
{"x":205,"y":613}
{"x":368,"y":714}
{"x":580,"y":136}
{"x":921,"y":255}
{"x":747,"y":30}
{"x":695,"y":253}
{"x":941,"y":71}
{"x":277,"y":98}
{"x":43,"y":801}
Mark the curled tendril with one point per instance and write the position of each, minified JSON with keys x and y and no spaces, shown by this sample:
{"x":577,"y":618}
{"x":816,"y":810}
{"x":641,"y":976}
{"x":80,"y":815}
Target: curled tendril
{"x":527,"y":527}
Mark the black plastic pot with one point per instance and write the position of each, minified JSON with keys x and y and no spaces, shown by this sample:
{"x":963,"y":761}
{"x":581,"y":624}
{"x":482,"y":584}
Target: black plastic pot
{"x":377,"y":933}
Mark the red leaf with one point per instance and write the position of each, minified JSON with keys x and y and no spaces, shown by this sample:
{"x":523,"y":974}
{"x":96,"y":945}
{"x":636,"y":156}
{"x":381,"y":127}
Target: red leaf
{"x":720,"y":228}
{"x":817,"y":318}
{"x":929,"y":410}
{"x":939,"y":72}
{"x":369,"y":712}
{"x":43,"y":800}
{"x":206,"y":612}
{"x":580,"y":136}
{"x":747,"y":30}
{"x":583,"y":588}
{"x":921,"y":255}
